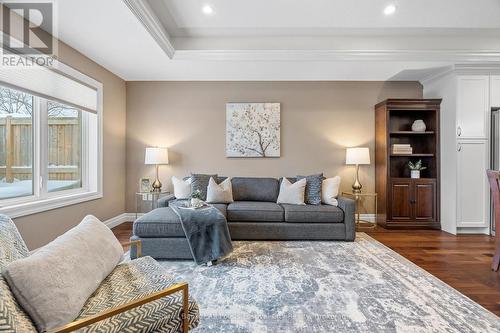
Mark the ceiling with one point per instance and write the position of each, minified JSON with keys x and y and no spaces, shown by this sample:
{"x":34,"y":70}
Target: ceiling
{"x":281,"y":39}
{"x":184,"y":18}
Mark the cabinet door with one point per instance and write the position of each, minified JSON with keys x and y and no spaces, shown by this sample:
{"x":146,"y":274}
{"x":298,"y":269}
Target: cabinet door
{"x":473,"y":106}
{"x":472,"y":184}
{"x":401,"y":207}
{"x":495,"y":91}
{"x":425,"y":200}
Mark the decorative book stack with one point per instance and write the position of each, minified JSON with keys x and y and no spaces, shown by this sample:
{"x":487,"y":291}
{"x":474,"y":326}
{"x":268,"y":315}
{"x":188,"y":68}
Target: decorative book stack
{"x":402,"y":149}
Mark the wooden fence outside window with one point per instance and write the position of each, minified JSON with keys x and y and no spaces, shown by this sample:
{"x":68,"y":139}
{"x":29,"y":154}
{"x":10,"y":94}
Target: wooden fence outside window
{"x":16,"y":148}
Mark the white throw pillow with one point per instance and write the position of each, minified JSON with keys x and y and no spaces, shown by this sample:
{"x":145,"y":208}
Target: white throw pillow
{"x":53,"y":284}
{"x":220,"y":193}
{"x":292,"y":193}
{"x":182,"y":188}
{"x":330,"y":191}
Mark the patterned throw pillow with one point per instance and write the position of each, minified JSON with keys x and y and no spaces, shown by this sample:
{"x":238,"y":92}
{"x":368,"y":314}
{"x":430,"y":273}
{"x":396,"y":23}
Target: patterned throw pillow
{"x":200,"y":182}
{"x":313,"y":188}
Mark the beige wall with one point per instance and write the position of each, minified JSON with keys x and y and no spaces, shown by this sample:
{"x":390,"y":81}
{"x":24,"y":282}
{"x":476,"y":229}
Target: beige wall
{"x":318,"y":120}
{"x":39,"y":229}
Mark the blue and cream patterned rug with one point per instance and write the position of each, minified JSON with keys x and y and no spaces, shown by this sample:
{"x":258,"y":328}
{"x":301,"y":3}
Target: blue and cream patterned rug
{"x":316,"y":287}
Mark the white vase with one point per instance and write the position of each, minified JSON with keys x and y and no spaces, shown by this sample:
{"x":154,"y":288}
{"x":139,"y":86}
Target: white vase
{"x":415,"y":173}
{"x":418,"y":126}
{"x":195,"y":202}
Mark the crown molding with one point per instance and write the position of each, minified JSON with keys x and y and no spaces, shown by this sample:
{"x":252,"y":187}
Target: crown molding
{"x":492,"y":68}
{"x":339,"y":55}
{"x":150,"y":21}
{"x":159,"y":32}
{"x":478,"y":68}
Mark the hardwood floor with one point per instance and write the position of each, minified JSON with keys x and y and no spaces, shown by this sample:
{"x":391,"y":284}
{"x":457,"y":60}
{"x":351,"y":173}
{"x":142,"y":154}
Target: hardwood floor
{"x":462,"y":261}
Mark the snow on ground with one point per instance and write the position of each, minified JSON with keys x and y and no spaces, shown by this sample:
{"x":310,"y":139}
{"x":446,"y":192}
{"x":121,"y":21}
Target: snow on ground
{"x":25,"y":187}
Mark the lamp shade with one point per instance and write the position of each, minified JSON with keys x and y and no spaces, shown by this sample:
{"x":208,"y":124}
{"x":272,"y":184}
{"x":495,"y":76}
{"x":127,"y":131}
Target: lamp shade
{"x":360,"y":155}
{"x":156,"y":155}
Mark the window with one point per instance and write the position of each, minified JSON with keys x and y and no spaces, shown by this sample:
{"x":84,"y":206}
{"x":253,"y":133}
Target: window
{"x":16,"y":143}
{"x":64,"y":147}
{"x":50,"y":145}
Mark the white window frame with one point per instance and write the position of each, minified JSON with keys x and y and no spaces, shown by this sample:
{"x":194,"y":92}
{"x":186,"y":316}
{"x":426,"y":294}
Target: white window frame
{"x":92,"y":159}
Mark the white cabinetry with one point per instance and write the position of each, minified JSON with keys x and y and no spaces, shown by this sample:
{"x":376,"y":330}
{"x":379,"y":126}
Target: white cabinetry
{"x":465,"y":129}
{"x":473,"y":106}
{"x":472,"y":184}
{"x":495,"y":91}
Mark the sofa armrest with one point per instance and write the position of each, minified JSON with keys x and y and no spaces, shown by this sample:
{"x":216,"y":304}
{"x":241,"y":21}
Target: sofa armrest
{"x":349,"y":207}
{"x":163,"y":202}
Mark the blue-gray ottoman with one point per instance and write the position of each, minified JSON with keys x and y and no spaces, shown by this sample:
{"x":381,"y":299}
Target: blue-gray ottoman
{"x":161,"y":235}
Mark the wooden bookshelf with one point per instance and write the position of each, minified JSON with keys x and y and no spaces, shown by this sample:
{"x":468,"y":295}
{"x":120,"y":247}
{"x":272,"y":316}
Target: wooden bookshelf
{"x":405,"y":202}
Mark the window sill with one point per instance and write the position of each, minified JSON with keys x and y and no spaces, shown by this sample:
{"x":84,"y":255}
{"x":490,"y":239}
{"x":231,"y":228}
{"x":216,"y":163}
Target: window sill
{"x":53,"y":202}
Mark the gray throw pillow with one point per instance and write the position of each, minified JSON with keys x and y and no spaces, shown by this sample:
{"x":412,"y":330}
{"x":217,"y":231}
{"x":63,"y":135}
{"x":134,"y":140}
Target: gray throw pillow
{"x":313,"y":188}
{"x":200,"y":182}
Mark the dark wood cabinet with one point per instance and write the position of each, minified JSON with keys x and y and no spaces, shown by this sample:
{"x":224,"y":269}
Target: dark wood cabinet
{"x":405,"y":202}
{"x":401,"y":208}
{"x":413,"y":200}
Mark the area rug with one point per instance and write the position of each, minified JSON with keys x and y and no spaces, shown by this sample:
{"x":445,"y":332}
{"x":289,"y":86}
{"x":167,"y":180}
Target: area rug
{"x":301,"y":286}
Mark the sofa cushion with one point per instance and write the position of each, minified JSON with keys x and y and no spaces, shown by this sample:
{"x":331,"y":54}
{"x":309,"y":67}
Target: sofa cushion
{"x":222,"y":208}
{"x":199,"y":182}
{"x":313,"y":188}
{"x":185,"y":203}
{"x":219,"y":193}
{"x":53,"y":283}
{"x":182,"y":188}
{"x":292,"y":193}
{"x":130,"y":281}
{"x":313,"y":213}
{"x":255,"y":189}
{"x":160,"y":222}
{"x":330,"y":191}
{"x":255,"y":211}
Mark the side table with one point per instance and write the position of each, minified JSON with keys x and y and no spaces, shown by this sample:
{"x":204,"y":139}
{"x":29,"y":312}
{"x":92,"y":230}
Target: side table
{"x":358,"y":198}
{"x":147,"y":201}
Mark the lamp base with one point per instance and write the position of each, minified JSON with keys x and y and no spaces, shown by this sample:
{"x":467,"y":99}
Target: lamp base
{"x":356,"y":190}
{"x":156,"y":185}
{"x":356,"y":187}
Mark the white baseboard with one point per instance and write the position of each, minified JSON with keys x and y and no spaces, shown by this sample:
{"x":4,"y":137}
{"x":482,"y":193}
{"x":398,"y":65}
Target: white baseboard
{"x":122,"y":218}
{"x":473,"y":231}
{"x":368,"y":217}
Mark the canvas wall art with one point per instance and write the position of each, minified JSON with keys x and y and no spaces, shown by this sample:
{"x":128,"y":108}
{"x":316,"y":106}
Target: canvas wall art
{"x":253,"y":130}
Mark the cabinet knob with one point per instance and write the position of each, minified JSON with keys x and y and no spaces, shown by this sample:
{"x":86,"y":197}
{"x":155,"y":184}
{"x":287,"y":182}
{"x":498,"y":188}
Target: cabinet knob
{"x":459,"y":147}
{"x":459,"y":131}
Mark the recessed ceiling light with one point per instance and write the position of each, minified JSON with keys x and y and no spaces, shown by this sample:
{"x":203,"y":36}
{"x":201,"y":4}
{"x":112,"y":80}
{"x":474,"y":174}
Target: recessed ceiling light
{"x":390,"y":9}
{"x":207,"y":10}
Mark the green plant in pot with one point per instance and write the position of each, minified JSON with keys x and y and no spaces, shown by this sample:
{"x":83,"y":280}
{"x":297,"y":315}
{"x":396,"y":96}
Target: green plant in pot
{"x":415,"y":168}
{"x":196,"y":199}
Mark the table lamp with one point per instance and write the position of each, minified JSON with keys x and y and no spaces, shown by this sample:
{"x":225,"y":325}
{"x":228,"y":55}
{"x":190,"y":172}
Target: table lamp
{"x":357,"y":156}
{"x":156,"y":156}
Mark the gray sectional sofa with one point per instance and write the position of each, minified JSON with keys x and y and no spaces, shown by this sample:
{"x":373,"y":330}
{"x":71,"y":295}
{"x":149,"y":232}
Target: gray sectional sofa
{"x":254,"y":215}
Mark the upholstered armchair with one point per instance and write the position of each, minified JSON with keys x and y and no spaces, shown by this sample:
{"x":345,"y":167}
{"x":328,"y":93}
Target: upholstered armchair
{"x":138,"y":296}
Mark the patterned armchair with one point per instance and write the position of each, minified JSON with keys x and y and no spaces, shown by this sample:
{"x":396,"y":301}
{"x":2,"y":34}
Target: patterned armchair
{"x":138,"y":296}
